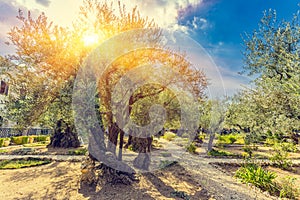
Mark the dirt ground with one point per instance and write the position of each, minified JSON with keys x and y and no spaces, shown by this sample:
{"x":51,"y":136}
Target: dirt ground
{"x":60,"y":180}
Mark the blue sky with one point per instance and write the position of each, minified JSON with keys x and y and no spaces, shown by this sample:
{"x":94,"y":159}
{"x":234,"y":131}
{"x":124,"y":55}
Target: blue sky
{"x":227,"y":20}
{"x":217,"y":25}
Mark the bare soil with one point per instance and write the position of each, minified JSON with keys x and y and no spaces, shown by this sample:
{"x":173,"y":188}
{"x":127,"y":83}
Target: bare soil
{"x":60,"y":180}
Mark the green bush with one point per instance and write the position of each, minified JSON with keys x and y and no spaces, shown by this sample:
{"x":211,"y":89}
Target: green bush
{"x":169,"y":136}
{"x":288,"y":189}
{"x":279,"y":159}
{"x":191,"y":148}
{"x":249,"y":149}
{"x":285,"y":146}
{"x":20,"y":140}
{"x":78,"y":152}
{"x":256,"y":175}
{"x":1,"y":142}
{"x":41,"y":138}
{"x":215,"y":152}
{"x":230,"y":139}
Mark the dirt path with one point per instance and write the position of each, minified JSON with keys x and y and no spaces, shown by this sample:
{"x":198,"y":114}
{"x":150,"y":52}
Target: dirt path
{"x":54,"y":177}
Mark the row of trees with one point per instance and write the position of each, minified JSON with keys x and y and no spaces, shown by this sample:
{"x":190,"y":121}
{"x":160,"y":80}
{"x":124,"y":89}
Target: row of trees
{"x":271,"y":106}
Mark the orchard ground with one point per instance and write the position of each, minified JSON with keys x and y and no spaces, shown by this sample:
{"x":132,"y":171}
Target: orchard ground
{"x":194,"y":176}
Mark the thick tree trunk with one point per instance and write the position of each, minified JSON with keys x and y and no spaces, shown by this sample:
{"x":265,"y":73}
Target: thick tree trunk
{"x":64,"y":136}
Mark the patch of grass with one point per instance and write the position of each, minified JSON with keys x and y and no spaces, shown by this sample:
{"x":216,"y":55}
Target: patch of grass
{"x":169,"y":136}
{"x":215,"y":152}
{"x":21,"y":163}
{"x":35,"y":144}
{"x":77,"y":152}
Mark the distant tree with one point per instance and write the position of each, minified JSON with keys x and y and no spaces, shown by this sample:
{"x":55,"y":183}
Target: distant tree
{"x":272,"y":55}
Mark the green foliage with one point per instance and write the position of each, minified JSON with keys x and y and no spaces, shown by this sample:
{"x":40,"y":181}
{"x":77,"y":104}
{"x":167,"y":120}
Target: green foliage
{"x":169,"y":136}
{"x":280,"y":159}
{"x":215,"y":152}
{"x":259,"y":177}
{"x":41,"y":138}
{"x":20,"y":140}
{"x":228,"y":139}
{"x":286,"y":146}
{"x":288,"y":188}
{"x":191,"y":148}
{"x":16,"y":164}
{"x":249,"y":149}
{"x":4,"y":142}
{"x":271,"y":106}
{"x":3,"y":151}
{"x":1,"y":142}
{"x":77,"y":152}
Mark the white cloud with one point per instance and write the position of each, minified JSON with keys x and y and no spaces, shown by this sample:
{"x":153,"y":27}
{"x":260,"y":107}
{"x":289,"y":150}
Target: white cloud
{"x":165,"y":13}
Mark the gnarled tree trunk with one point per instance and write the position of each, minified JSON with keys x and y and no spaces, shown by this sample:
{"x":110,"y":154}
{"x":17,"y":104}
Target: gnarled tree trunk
{"x":64,"y":136}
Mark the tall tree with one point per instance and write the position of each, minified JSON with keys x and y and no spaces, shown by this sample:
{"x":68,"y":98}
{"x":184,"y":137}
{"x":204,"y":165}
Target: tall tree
{"x":272,"y":55}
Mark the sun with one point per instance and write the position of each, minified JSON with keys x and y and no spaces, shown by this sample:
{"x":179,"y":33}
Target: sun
{"x":90,"y":39}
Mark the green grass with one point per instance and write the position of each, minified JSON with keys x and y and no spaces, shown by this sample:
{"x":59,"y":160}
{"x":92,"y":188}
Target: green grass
{"x":21,"y":163}
{"x":35,"y":144}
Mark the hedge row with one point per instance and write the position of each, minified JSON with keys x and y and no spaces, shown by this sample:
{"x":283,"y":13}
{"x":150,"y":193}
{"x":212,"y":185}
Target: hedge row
{"x":29,"y":139}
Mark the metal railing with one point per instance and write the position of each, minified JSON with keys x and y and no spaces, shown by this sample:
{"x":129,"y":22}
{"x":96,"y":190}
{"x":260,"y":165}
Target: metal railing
{"x":10,"y":132}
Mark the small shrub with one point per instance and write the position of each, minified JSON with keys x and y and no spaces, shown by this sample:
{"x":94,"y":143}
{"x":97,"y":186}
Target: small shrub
{"x":215,"y":152}
{"x":228,"y":139}
{"x":4,"y":142}
{"x":78,"y":152}
{"x":169,"y":136}
{"x":249,"y":150}
{"x":20,"y":140}
{"x":191,"y":148}
{"x":288,"y":147}
{"x":25,"y":139}
{"x":1,"y":142}
{"x":288,"y":189}
{"x":256,"y":175}
{"x":280,"y":159}
{"x":232,"y":139}
{"x":41,"y":138}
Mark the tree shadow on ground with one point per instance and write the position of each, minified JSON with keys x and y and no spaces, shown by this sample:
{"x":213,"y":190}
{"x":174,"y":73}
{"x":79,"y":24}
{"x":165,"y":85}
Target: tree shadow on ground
{"x":117,"y":191}
{"x":178,"y":173}
{"x":159,"y":184}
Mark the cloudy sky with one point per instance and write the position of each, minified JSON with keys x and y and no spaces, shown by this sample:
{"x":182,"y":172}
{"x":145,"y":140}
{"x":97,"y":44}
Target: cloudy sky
{"x":217,"y":25}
